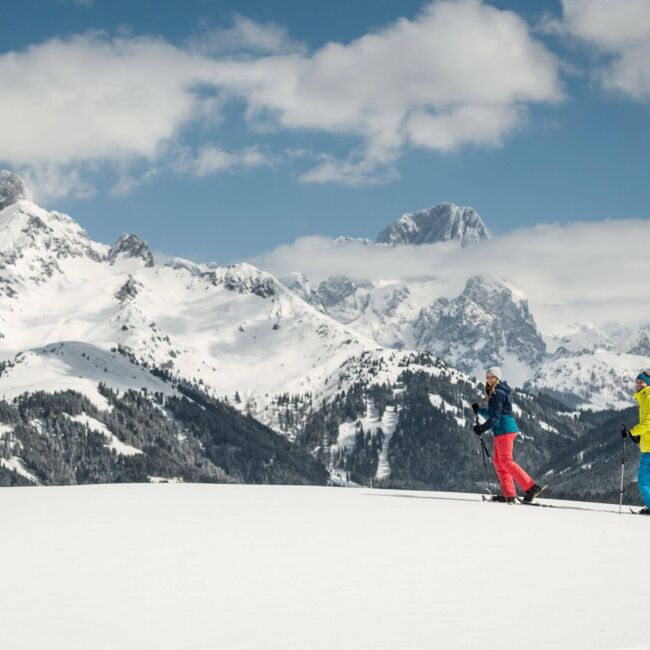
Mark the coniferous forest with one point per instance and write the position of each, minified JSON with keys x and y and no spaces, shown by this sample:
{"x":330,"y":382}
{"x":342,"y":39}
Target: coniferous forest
{"x":64,"y":439}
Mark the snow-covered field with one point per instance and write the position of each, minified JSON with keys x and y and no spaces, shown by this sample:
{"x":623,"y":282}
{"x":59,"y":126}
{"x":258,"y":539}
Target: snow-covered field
{"x":198,"y":567}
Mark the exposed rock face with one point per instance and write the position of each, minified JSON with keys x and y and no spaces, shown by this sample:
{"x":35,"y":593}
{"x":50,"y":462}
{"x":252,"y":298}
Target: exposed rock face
{"x":243,"y":278}
{"x":444,"y":222}
{"x":301,"y":286}
{"x":129,"y":290}
{"x":336,"y":289}
{"x":12,"y":189}
{"x":641,"y":346}
{"x":486,"y":322}
{"x":129,"y":245}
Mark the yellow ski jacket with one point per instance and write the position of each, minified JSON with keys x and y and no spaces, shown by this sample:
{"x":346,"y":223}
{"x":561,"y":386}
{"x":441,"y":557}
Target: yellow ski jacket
{"x":643,"y":428}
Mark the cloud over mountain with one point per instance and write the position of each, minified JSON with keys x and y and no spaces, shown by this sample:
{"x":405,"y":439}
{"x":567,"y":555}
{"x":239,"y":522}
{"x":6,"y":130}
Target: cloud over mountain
{"x":577,"y":272}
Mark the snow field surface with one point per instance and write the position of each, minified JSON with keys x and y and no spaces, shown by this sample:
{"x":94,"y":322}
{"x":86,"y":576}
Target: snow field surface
{"x":279,"y":568}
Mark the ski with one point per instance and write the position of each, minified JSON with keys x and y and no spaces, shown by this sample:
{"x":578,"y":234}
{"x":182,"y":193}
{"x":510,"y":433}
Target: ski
{"x":487,"y":498}
{"x":560,"y":507}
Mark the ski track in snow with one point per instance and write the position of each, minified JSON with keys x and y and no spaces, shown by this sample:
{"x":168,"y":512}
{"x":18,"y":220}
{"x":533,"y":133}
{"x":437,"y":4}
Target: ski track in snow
{"x":371,"y":423}
{"x":388,"y":426}
{"x":198,"y":567}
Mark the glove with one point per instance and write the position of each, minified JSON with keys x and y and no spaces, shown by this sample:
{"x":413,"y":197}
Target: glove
{"x":625,"y":432}
{"x":475,"y":407}
{"x":477,"y":429}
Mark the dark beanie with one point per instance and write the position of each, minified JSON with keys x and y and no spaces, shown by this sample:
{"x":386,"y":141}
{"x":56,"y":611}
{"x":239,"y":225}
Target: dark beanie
{"x":644,"y":376}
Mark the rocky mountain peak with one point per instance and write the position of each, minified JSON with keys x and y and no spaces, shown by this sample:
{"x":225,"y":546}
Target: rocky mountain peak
{"x":336,"y":289}
{"x":129,"y":290}
{"x":299,"y":284}
{"x":12,"y":189}
{"x":443,"y":222}
{"x":34,"y":243}
{"x":243,"y":278}
{"x":487,"y":323}
{"x":641,"y":345}
{"x":492,"y":294}
{"x":129,"y":245}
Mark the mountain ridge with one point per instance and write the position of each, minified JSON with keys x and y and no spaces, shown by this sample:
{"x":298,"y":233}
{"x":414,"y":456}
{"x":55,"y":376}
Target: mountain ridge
{"x":443,"y":222}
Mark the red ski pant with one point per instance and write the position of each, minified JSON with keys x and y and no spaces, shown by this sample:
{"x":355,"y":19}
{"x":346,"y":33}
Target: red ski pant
{"x":506,"y":468}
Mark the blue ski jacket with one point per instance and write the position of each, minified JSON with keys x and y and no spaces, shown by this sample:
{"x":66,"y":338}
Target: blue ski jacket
{"x":499,"y":412}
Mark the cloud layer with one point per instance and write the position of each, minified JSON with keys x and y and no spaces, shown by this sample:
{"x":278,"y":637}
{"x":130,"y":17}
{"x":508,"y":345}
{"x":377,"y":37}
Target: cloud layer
{"x":461,"y":73}
{"x":580,"y":272}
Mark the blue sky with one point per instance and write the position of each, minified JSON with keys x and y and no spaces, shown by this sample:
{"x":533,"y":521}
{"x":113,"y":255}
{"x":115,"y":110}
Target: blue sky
{"x":220,"y":130}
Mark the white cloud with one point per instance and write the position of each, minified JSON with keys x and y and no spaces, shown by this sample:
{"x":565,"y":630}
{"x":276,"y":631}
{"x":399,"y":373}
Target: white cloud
{"x":47,"y":182}
{"x":460,"y":73}
{"x":477,"y":125}
{"x":207,"y":161}
{"x":246,"y":36}
{"x":354,"y":173}
{"x":580,"y":272}
{"x":89,"y":98}
{"x":619,"y":29}
{"x":212,"y":160}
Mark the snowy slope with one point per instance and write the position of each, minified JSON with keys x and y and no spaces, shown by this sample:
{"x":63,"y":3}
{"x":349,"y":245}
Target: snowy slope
{"x":371,"y":424}
{"x":232,"y":329}
{"x":239,"y":331}
{"x":600,"y":379}
{"x":75,"y":313}
{"x":165,"y":567}
{"x":382,"y":311}
{"x":488,"y":323}
{"x":76,"y":366}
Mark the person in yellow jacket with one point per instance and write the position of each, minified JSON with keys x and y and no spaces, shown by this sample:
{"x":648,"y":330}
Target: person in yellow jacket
{"x":641,"y":433}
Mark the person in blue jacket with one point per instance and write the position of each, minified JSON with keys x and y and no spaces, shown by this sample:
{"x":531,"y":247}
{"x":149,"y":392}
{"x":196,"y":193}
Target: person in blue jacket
{"x":504,"y":427}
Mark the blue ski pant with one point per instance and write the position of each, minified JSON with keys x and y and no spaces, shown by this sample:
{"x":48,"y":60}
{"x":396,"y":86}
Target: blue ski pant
{"x":644,"y":477}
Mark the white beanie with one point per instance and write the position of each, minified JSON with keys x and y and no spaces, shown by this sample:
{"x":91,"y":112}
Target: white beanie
{"x":494,"y":370}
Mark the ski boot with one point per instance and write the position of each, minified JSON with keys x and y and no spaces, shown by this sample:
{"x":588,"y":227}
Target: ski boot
{"x":499,"y":498}
{"x":533,"y":491}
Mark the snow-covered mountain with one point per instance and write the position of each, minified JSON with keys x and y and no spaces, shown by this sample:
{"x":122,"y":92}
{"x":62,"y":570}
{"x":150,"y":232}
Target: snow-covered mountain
{"x":599,"y":379}
{"x":346,"y":369}
{"x":233,"y":330}
{"x":489,"y":323}
{"x":78,"y":366}
{"x":443,"y":222}
{"x":12,"y":189}
{"x":380,"y":311}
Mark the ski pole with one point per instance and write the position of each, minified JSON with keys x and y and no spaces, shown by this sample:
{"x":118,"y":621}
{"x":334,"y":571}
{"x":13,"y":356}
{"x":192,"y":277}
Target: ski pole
{"x":487,"y":482}
{"x":624,"y":434}
{"x":484,"y":453}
